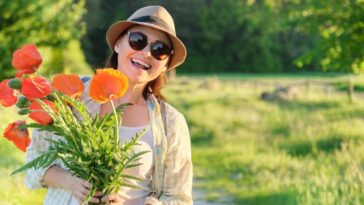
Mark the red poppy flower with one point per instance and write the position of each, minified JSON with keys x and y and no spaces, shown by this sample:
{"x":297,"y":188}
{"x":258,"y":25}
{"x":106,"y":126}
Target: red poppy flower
{"x":108,"y":84}
{"x":70,"y":85}
{"x":39,"y":114}
{"x":26,"y":59}
{"x":7,"y":95}
{"x":19,"y":136}
{"x":36,"y":87}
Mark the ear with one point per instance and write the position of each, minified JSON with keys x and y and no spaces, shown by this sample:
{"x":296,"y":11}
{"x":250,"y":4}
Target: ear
{"x":116,"y":46}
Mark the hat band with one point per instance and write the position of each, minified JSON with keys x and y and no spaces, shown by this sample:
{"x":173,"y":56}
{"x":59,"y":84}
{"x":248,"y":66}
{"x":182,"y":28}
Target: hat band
{"x":153,"y":20}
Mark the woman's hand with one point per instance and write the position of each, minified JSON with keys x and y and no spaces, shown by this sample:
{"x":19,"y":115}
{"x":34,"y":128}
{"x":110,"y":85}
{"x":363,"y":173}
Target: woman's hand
{"x":96,"y":198}
{"x":57,"y":177}
{"x":79,"y":187}
{"x":113,"y":199}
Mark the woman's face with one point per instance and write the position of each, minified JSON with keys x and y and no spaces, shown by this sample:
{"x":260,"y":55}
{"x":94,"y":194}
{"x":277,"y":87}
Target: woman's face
{"x":139,"y":65}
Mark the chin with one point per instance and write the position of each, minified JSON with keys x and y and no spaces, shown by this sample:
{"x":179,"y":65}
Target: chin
{"x":137,"y":80}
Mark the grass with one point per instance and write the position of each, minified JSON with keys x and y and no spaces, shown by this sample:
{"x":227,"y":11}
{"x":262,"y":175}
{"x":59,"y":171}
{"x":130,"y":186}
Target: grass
{"x":269,"y":76}
{"x":307,"y":151}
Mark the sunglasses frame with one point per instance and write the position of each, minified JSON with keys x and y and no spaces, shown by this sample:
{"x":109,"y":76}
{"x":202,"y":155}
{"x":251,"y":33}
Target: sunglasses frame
{"x":145,"y":38}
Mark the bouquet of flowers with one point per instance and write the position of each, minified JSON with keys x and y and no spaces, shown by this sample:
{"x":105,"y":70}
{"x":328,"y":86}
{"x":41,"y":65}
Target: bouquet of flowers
{"x":89,"y":146}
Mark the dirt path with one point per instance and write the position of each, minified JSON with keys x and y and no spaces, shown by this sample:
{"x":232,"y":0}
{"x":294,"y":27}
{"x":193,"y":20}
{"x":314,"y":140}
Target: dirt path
{"x":200,"y":198}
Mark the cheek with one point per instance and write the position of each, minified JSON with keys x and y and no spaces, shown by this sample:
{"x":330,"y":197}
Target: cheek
{"x":160,"y":66}
{"x":121,"y":60}
{"x":124,"y":55}
{"x":157,"y":72}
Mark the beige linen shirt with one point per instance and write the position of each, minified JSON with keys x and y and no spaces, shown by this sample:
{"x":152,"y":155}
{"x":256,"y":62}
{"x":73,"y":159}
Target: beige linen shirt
{"x":172,"y":171}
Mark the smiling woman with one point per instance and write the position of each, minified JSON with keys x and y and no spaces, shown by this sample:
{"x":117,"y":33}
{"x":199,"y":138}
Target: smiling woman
{"x":144,"y":46}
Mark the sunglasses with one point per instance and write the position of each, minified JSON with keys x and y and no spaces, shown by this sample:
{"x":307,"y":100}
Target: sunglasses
{"x":159,"y":50}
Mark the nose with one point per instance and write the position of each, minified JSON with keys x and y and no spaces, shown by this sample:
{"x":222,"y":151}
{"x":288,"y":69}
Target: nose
{"x":147,"y":50}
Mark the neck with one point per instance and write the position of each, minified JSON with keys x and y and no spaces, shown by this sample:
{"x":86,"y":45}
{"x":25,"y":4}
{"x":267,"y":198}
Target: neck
{"x":134,"y":95}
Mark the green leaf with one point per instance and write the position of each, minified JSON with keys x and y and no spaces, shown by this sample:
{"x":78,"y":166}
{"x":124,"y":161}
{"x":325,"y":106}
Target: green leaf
{"x":42,"y":161}
{"x":131,"y":177}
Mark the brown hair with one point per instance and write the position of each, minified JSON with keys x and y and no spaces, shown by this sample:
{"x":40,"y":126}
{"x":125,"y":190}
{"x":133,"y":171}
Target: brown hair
{"x":153,"y":86}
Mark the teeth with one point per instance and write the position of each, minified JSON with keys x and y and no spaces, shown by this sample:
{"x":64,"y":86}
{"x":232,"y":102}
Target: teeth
{"x":141,"y":63}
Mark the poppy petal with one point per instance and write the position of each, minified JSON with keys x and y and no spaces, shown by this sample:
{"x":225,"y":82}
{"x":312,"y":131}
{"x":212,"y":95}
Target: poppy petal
{"x":26,"y":59}
{"x":39,"y":114}
{"x":7,"y":95}
{"x":108,"y":84}
{"x":19,"y":136}
{"x":68,"y":84}
{"x":36,"y":87}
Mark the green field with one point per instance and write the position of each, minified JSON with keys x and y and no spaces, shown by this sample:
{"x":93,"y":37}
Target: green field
{"x":306,"y":151}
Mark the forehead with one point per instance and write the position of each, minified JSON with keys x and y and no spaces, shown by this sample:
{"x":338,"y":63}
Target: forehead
{"x":153,"y":34}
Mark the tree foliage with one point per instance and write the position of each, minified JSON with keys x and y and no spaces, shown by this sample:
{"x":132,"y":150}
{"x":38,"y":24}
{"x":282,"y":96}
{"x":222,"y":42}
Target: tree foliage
{"x":42,"y":22}
{"x":220,"y":36}
{"x":338,"y":26}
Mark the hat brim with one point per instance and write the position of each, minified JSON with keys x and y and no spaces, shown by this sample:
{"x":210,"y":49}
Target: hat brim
{"x":179,"y":50}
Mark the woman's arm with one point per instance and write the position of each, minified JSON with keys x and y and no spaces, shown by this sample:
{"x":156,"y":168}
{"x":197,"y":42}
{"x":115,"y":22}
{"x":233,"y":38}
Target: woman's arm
{"x":53,"y":175}
{"x":38,"y":145}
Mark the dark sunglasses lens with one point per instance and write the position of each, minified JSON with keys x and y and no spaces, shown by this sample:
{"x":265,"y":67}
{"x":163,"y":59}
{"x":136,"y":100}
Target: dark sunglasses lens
{"x":137,"y":41}
{"x":160,"y":50}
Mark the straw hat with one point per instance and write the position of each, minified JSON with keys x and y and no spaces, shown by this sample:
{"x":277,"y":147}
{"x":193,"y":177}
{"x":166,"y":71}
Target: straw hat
{"x":155,"y":17}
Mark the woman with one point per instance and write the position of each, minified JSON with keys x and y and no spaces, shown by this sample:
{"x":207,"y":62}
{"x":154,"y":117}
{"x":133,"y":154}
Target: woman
{"x":144,"y":46}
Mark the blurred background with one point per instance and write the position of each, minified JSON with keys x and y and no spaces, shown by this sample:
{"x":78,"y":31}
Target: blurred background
{"x":272,"y":91}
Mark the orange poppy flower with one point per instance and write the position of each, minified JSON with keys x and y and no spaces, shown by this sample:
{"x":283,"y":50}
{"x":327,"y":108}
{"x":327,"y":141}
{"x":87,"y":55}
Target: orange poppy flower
{"x":39,"y":114}
{"x":35,"y":87}
{"x":26,"y":59}
{"x":19,"y":136}
{"x":108,"y":84}
{"x":70,"y":85}
{"x":7,"y":95}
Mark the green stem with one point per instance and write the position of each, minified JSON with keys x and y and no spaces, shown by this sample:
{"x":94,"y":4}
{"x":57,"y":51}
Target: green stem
{"x":117,"y":123}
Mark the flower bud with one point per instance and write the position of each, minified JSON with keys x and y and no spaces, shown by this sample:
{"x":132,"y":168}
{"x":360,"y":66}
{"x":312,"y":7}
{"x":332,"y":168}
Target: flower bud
{"x":15,"y":83}
{"x":22,"y":102}
{"x":50,"y":98}
{"x":23,"y":111}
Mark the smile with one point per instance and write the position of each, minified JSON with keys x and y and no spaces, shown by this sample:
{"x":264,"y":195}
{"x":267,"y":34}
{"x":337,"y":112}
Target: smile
{"x":140,"y":64}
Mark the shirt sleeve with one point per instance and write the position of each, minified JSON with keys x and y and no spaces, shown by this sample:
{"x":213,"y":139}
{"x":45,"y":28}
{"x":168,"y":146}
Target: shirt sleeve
{"x":38,"y":145}
{"x":177,"y":183}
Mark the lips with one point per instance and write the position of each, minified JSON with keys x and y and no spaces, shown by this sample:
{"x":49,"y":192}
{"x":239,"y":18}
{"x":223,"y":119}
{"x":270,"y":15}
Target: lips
{"x":140,"y":64}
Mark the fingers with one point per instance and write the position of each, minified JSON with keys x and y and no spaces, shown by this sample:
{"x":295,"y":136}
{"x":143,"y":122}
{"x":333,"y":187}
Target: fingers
{"x":95,"y":200}
{"x":86,"y":184}
{"x":81,"y":192}
{"x":97,"y":197}
{"x":80,"y":189}
{"x":79,"y":198}
{"x":113,"y":199}
{"x":98,"y":193}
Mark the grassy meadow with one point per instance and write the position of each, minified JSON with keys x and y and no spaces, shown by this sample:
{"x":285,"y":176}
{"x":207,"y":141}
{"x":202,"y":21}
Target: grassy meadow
{"x":306,"y":151}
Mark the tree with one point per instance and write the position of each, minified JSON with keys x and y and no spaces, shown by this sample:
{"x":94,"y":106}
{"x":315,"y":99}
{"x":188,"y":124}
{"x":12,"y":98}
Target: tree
{"x":220,"y":36}
{"x":338,"y":28}
{"x":42,"y":22}
{"x":237,"y":36}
